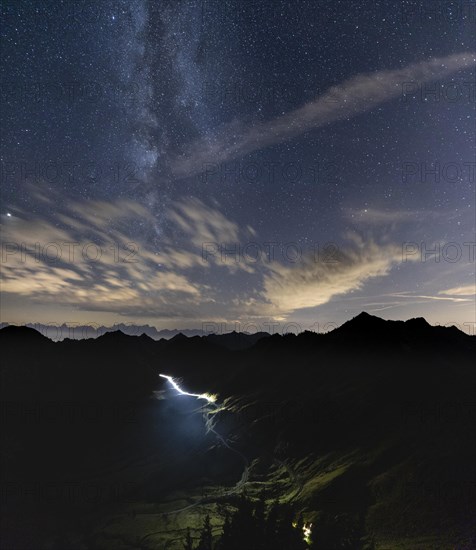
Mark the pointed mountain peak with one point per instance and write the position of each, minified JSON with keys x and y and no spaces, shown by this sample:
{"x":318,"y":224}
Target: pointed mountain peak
{"x":418,"y":323}
{"x":364,"y":316}
{"x":362,"y":324}
{"x":178,"y":337}
{"x":112,"y":335}
{"x":363,"y":319}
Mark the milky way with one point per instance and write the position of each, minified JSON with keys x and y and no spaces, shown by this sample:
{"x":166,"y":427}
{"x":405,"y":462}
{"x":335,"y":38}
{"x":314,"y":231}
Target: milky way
{"x":267,"y":162}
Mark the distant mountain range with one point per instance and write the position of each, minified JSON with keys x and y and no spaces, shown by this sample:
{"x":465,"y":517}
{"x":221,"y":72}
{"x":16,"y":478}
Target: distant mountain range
{"x":80,"y":332}
{"x":233,"y":340}
{"x":134,"y":359}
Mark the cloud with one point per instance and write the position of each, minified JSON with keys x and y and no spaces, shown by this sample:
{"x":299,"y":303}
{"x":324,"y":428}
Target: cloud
{"x":427,"y":297}
{"x":352,"y":97}
{"x":373,"y":216}
{"x":79,"y":257}
{"x":202,"y":223}
{"x":210,"y":231}
{"x":314,"y":282}
{"x":468,"y":290}
{"x":82,"y":254}
{"x":100,"y":213}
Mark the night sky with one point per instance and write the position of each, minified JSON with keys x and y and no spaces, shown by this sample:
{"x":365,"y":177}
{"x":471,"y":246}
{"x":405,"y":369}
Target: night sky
{"x":186,"y":162}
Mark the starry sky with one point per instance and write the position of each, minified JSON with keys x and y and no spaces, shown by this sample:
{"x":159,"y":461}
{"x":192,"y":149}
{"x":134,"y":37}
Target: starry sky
{"x":249,"y":164}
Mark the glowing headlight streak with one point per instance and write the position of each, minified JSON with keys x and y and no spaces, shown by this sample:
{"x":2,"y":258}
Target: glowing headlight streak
{"x":207,"y":396}
{"x":307,"y":530}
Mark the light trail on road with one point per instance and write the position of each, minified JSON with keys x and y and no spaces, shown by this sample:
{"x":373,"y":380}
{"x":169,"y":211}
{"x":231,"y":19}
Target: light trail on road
{"x":207,"y":396}
{"x":209,"y":413}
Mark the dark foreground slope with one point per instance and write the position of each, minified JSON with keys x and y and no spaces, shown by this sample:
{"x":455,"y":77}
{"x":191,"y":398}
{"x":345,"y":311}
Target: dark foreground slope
{"x":368,"y":429}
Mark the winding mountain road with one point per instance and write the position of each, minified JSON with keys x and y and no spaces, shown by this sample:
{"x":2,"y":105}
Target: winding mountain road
{"x":212,"y":408}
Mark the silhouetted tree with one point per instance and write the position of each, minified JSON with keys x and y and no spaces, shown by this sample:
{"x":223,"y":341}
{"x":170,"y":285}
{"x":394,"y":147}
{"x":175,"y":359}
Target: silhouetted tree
{"x":188,"y":545}
{"x":260,"y":521}
{"x":251,"y":528}
{"x":243,"y":525}
{"x":300,"y":522}
{"x":288,"y":537}
{"x":226,"y":540}
{"x":271,"y":525}
{"x":206,"y":535}
{"x":336,"y":532}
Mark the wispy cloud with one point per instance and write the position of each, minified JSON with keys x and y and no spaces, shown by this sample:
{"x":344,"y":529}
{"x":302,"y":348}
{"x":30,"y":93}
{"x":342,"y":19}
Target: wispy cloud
{"x":467,"y":290}
{"x":205,"y":224}
{"x":429,"y":297}
{"x":313,"y":283}
{"x":374,"y":216}
{"x":172,"y":279}
{"x":352,"y":97}
{"x":83,"y":255}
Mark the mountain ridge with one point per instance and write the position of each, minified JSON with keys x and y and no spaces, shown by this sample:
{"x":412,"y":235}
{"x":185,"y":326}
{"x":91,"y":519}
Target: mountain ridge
{"x":358,"y":325}
{"x":333,"y":423}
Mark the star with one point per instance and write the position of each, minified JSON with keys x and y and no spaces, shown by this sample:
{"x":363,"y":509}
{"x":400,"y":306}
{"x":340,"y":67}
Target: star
{"x":194,"y":122}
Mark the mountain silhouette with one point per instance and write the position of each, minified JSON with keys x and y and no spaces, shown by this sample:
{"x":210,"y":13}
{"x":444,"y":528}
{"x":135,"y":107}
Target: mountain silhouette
{"x":14,"y":333}
{"x":371,"y":424}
